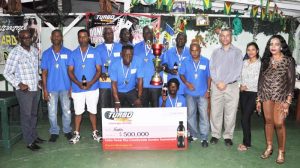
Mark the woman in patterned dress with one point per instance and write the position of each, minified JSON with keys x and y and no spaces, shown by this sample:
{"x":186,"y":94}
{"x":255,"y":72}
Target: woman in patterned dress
{"x":275,"y":91}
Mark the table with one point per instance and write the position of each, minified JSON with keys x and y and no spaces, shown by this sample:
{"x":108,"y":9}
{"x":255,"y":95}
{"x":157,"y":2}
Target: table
{"x":7,"y":100}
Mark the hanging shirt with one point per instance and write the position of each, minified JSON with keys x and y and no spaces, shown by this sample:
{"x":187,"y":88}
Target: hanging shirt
{"x":56,"y":65}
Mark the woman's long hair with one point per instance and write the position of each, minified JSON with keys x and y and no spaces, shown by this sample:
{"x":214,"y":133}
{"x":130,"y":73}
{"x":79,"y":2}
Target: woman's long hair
{"x":267,"y":54}
{"x":257,"y":49}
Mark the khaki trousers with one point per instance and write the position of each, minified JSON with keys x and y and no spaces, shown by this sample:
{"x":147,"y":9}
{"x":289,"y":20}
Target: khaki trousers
{"x":224,"y":106}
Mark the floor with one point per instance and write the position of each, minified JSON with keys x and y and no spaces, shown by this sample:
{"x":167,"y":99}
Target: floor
{"x":88,"y":154}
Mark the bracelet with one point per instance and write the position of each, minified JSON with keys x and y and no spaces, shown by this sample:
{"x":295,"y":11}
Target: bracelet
{"x":257,"y":100}
{"x":288,"y":102}
{"x":117,"y":102}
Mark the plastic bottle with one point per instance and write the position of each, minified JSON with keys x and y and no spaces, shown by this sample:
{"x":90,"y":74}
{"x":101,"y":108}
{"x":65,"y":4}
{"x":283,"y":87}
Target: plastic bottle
{"x":83,"y":80}
{"x":180,"y":135}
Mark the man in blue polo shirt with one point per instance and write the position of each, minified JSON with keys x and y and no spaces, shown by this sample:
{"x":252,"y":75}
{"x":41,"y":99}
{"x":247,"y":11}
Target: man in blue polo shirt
{"x":143,"y":50}
{"x":174,"y":57}
{"x":109,"y":53}
{"x":126,"y":73}
{"x":56,"y":84}
{"x":84,"y":72}
{"x":195,"y":75}
{"x":170,"y":98}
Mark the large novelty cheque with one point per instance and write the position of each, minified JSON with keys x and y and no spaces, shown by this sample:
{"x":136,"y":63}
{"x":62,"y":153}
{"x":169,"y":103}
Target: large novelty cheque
{"x":144,"y":129}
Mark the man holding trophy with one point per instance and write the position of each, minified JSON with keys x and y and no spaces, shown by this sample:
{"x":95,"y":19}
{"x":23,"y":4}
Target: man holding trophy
{"x":149,"y":54}
{"x":109,"y":53}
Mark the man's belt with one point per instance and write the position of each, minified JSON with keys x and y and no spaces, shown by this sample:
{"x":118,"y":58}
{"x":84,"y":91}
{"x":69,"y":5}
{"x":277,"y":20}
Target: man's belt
{"x":232,"y":82}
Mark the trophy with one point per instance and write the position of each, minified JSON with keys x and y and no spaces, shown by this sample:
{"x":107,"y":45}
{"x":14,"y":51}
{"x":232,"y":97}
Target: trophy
{"x":106,"y":66}
{"x":156,"y":78}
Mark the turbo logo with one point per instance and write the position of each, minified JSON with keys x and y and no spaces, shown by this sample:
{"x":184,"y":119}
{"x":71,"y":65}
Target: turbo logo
{"x":118,"y":115}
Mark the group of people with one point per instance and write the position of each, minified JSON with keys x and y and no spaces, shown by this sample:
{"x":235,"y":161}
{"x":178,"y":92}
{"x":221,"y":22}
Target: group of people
{"x":119,"y":75}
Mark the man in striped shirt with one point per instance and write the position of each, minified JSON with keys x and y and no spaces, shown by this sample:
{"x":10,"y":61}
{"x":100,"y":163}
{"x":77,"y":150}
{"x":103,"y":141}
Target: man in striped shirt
{"x":21,"y":70}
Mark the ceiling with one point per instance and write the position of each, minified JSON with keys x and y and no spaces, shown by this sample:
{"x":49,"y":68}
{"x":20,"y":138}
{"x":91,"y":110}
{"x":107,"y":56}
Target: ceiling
{"x":288,"y":7}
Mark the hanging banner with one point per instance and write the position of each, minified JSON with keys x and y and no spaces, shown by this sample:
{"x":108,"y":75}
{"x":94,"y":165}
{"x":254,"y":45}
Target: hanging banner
{"x":9,"y":29}
{"x":144,"y":129}
{"x":159,"y":4}
{"x":263,"y":14}
{"x":254,"y":11}
{"x":133,"y":22}
{"x":207,"y":4}
{"x":271,"y":16}
{"x":275,"y":11}
{"x":10,"y":26}
{"x":227,"y":8}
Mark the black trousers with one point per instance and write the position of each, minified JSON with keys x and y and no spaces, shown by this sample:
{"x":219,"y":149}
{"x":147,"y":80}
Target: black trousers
{"x":248,"y":105}
{"x":105,"y":98}
{"x":28,"y":102}
{"x":127,"y":99}
{"x":150,"y":97}
{"x":105,"y":101}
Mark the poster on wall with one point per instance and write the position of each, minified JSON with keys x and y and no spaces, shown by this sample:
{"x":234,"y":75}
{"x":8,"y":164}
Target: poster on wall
{"x":144,"y":129}
{"x":9,"y":29}
{"x":133,"y":22}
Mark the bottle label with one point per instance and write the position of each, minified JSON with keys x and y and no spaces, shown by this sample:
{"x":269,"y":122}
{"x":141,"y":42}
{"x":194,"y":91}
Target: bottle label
{"x":180,"y":133}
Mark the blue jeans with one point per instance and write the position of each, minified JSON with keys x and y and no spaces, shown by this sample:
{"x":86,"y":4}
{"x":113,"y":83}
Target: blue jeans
{"x":66,"y":112}
{"x":200,"y":103}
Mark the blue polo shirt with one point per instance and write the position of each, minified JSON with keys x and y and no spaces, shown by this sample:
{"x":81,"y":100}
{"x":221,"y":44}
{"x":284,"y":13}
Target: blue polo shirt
{"x":147,"y":64}
{"x":118,"y":72}
{"x":170,"y":58}
{"x":57,"y":68}
{"x":89,"y":70}
{"x":106,"y":57}
{"x":172,"y":101}
{"x":199,"y":82}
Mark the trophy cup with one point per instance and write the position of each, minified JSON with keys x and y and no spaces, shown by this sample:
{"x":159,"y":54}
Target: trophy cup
{"x":156,"y":78}
{"x":106,"y":66}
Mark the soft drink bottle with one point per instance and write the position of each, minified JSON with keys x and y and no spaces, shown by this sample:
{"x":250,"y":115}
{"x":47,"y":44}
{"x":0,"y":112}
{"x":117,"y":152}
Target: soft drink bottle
{"x":83,"y":80}
{"x":180,"y":135}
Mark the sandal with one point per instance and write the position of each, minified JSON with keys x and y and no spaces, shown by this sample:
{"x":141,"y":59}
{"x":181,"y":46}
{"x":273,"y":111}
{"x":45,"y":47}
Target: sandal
{"x":242,"y":147}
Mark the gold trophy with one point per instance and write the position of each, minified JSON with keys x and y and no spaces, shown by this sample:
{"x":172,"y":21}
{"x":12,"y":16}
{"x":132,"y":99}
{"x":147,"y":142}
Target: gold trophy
{"x":106,"y":66}
{"x":156,"y":78}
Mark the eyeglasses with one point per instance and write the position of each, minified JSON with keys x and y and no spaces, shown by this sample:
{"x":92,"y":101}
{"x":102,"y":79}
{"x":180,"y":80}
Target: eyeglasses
{"x":26,"y":37}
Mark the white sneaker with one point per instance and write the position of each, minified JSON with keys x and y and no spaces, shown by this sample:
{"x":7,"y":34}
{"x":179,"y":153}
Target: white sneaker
{"x":75,"y":138}
{"x":96,"y":136}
